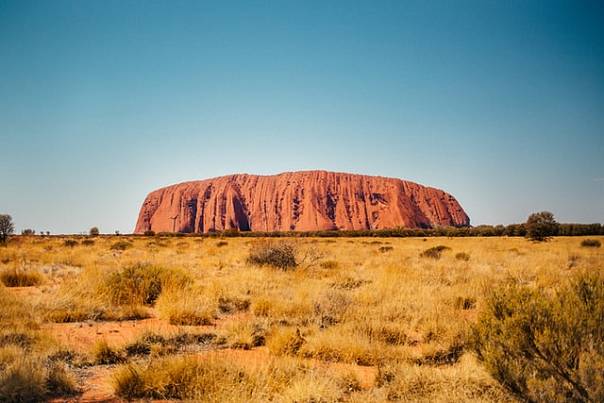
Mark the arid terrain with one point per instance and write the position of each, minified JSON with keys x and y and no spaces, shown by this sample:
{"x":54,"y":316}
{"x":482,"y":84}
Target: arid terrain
{"x":206,"y":318}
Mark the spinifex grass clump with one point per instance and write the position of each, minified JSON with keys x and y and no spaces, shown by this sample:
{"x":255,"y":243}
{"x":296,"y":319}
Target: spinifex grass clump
{"x":141,"y":284}
{"x":121,"y":245}
{"x":186,"y":307}
{"x":216,"y":379}
{"x":463,"y":256}
{"x":279,"y":254}
{"x":435,"y":252}
{"x":104,"y":354}
{"x":113,"y":295}
{"x":182,"y":378}
{"x":70,"y":243}
{"x":20,"y":278}
{"x":544,"y":346}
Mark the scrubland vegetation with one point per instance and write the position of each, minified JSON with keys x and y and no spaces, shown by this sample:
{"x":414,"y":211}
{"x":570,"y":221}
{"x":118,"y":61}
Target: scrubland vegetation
{"x":302,"y":319}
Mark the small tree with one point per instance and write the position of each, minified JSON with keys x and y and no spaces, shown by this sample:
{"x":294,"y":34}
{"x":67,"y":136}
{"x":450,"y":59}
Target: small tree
{"x":6,"y":227}
{"x":94,"y":231}
{"x":28,"y":232}
{"x":541,"y":226}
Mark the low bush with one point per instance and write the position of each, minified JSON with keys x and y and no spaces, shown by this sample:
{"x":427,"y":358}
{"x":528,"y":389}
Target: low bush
{"x":546,"y":346}
{"x":462,"y":256}
{"x":20,"y":278}
{"x":220,"y":244}
{"x":70,"y":243}
{"x":384,"y":249}
{"x":435,"y":252}
{"x":591,"y":243}
{"x":121,"y":245}
{"x":87,"y":242}
{"x":279,"y":254}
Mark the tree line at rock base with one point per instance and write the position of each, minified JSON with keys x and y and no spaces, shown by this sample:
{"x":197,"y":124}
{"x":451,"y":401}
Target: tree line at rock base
{"x":478,"y":231}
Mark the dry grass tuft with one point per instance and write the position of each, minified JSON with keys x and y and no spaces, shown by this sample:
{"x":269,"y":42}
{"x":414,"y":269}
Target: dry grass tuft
{"x":186,"y":307}
{"x":384,"y":249}
{"x":121,"y":245}
{"x":463,"y":256}
{"x":435,"y":252}
{"x":285,"y":341}
{"x":103,"y":354}
{"x":20,"y":278}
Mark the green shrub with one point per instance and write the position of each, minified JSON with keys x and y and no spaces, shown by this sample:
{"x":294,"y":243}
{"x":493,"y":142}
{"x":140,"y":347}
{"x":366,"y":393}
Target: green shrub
{"x":435,"y":252}
{"x":591,"y":243}
{"x":279,"y":254}
{"x":546,"y":346}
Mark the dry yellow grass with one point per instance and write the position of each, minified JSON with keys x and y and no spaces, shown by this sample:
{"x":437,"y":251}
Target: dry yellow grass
{"x":355,"y":303}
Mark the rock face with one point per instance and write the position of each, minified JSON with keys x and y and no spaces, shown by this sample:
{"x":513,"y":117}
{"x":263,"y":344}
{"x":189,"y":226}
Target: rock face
{"x":300,"y":201}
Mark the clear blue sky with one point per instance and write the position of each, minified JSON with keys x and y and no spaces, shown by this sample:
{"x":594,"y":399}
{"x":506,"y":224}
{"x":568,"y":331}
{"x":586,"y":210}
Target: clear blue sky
{"x":501,"y":103}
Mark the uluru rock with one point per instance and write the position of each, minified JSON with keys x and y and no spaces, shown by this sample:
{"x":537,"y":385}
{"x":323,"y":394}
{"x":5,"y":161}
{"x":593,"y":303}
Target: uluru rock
{"x":299,"y":201}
